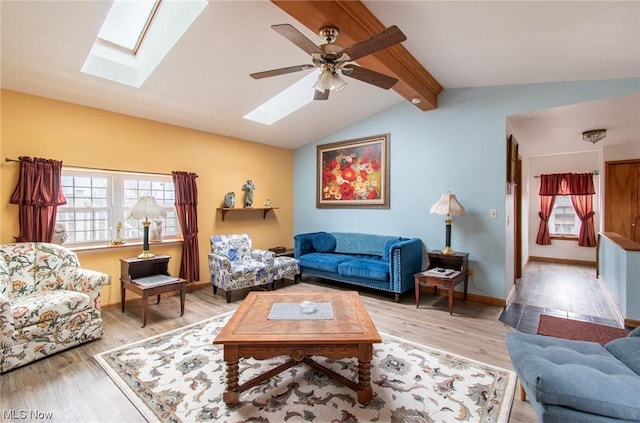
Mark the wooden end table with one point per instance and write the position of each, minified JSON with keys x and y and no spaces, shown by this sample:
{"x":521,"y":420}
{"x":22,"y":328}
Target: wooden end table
{"x":250,"y":333}
{"x":458,"y":262}
{"x":149,"y":277}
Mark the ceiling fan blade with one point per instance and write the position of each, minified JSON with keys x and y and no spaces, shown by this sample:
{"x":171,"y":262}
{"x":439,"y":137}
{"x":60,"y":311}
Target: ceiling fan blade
{"x":390,"y":36}
{"x":369,"y":76}
{"x":296,"y":37}
{"x":318,"y":95}
{"x":281,"y":71}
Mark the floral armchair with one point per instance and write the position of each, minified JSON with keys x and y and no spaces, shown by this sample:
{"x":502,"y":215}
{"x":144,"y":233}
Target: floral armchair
{"x":234,"y":264}
{"x":47,"y":302}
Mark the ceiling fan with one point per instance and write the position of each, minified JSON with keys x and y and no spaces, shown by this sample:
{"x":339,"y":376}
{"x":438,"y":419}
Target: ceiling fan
{"x":334,"y":60}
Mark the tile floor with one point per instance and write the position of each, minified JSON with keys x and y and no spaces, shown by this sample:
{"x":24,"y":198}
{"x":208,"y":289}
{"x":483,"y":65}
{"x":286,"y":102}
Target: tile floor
{"x":525,"y":317}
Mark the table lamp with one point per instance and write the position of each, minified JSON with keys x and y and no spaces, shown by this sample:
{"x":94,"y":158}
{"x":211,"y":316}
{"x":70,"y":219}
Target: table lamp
{"x":448,"y":205}
{"x":146,"y":208}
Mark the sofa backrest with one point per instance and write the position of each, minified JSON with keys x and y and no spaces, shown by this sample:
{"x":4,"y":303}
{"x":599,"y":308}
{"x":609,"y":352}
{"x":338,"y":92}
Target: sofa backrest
{"x":27,"y":267}
{"x":237,"y":247}
{"x":357,"y":243}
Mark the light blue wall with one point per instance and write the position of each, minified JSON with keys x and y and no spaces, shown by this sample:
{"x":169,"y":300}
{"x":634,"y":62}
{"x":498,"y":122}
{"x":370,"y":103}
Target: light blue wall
{"x":459,"y":147}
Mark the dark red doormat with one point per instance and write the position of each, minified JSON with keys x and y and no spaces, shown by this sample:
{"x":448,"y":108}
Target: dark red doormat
{"x":576,"y":330}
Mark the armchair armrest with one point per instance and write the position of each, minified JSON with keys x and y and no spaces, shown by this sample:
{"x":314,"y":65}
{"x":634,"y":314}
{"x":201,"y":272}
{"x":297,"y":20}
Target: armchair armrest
{"x":85,"y":280}
{"x":264,"y":256}
{"x":7,"y":331}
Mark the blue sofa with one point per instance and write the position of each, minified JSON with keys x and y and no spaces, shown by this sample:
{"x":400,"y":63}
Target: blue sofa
{"x":385,"y":263}
{"x":578,"y":381}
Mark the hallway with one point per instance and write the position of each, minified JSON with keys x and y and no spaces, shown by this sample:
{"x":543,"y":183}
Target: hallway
{"x":563,"y":290}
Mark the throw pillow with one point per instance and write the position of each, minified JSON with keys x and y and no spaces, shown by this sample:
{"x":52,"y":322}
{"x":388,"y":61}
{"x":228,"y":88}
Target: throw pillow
{"x":324,"y":243}
{"x":626,"y":350}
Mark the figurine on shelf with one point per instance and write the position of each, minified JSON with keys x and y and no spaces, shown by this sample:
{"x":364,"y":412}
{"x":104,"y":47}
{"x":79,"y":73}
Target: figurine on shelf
{"x":268,"y":202}
{"x":230,"y":200}
{"x":156,"y":230}
{"x":59,"y":234}
{"x":118,"y":239}
{"x":248,"y":189}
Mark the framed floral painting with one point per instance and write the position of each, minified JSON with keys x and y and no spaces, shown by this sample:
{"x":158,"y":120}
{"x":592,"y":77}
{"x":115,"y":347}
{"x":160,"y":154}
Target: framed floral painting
{"x":354,"y":173}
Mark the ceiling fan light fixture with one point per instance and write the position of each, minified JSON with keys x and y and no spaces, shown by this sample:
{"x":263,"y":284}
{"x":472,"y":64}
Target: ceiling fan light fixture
{"x":594,"y":135}
{"x":329,"y":80}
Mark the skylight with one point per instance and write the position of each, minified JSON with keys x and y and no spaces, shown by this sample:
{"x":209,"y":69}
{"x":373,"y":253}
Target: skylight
{"x":286,"y":102}
{"x":129,"y":55}
{"x":127,"y":22}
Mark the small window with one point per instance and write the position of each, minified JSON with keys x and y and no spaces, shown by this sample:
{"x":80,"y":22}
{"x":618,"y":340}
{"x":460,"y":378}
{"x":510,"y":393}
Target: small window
{"x":563,"y":220}
{"x":98,"y":200}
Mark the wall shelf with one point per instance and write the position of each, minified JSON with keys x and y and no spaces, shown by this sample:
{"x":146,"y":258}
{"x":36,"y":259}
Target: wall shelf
{"x":265,"y":210}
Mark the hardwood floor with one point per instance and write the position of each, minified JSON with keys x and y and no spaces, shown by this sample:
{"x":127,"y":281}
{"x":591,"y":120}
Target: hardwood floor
{"x":72,"y":387}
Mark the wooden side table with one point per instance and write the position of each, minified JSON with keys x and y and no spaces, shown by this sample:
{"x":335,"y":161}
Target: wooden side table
{"x":458,"y":262}
{"x":148,"y":277}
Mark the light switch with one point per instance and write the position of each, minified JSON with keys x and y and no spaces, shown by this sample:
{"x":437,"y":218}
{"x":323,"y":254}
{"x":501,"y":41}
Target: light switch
{"x":493,"y":213}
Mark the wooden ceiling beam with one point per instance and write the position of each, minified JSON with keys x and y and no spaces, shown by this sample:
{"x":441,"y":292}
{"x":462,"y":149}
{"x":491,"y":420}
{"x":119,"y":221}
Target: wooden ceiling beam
{"x":355,"y":22}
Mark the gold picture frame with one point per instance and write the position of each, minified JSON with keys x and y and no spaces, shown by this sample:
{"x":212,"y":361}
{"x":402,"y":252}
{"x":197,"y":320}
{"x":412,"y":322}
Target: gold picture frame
{"x":353,"y":173}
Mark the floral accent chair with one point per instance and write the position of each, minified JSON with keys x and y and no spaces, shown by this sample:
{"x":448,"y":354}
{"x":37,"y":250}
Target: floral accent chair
{"x":47,"y":302}
{"x":234,"y":264}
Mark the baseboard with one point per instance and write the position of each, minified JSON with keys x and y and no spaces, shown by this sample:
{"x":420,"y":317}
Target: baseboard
{"x":562,"y":261}
{"x":631,"y":323}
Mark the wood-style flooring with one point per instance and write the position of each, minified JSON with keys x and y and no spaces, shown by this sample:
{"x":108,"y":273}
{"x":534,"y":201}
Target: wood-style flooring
{"x":72,"y":387}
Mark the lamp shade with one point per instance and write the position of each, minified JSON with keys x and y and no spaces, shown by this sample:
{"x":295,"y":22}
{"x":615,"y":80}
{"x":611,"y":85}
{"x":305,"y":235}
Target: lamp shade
{"x":146,"y":208}
{"x":448,"y":204}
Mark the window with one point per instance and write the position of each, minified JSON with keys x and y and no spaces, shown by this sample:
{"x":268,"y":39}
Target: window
{"x":563,"y":220}
{"x":97,"y":201}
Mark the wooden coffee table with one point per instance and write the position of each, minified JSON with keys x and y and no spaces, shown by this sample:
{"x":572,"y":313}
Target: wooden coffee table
{"x":250,"y":333}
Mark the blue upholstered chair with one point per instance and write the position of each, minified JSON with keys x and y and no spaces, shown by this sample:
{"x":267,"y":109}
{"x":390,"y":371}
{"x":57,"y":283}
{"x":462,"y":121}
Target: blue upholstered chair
{"x":234,"y":264}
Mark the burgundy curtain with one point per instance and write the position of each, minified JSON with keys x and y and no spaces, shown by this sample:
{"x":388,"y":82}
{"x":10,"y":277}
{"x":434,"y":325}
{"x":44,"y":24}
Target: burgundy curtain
{"x":580,"y":187}
{"x":549,"y":185}
{"x":187,"y":209}
{"x":38,"y":195}
{"x":582,"y":190}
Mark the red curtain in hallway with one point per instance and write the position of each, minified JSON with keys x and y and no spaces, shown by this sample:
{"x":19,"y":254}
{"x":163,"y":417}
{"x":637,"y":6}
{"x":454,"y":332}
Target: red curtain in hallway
{"x":187,"y":210}
{"x":581,"y":189}
{"x":38,"y":194}
{"x":549,"y":185}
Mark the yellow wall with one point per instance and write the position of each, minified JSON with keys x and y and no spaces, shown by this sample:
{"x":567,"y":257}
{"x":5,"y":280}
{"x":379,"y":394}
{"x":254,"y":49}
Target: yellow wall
{"x":87,"y":137}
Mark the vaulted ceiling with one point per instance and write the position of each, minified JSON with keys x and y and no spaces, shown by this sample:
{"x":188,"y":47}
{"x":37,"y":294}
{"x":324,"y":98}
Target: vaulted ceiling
{"x":203,"y":83}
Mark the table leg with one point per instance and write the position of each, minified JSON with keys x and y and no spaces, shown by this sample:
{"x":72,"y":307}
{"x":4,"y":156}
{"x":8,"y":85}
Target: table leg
{"x":231,"y":357}
{"x":466,"y":282}
{"x":145,"y":306}
{"x":158,"y":302}
{"x":450,"y":283}
{"x":365,"y":394}
{"x":122,"y":294}
{"x":183,"y":294}
{"x":417,"y":289}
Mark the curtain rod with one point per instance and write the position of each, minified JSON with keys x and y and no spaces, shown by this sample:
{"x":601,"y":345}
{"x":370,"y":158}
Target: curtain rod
{"x":100,"y":168}
{"x":593,"y":172}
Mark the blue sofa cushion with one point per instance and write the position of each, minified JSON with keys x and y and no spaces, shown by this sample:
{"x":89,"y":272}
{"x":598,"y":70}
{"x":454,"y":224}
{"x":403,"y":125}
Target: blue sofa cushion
{"x":355,"y":243}
{"x":635,"y":332}
{"x":324,"y":243}
{"x":626,"y":350}
{"x":327,"y":262}
{"x":575,"y":374}
{"x":365,"y":268}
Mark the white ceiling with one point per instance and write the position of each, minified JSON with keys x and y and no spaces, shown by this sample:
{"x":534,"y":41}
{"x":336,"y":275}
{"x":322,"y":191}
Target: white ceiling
{"x":203,"y":83}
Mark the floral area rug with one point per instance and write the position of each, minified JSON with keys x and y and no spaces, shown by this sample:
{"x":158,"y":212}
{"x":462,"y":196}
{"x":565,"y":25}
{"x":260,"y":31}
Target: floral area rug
{"x":179,"y":376}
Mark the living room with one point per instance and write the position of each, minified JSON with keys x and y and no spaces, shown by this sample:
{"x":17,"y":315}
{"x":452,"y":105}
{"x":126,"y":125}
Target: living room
{"x":459,"y":147}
